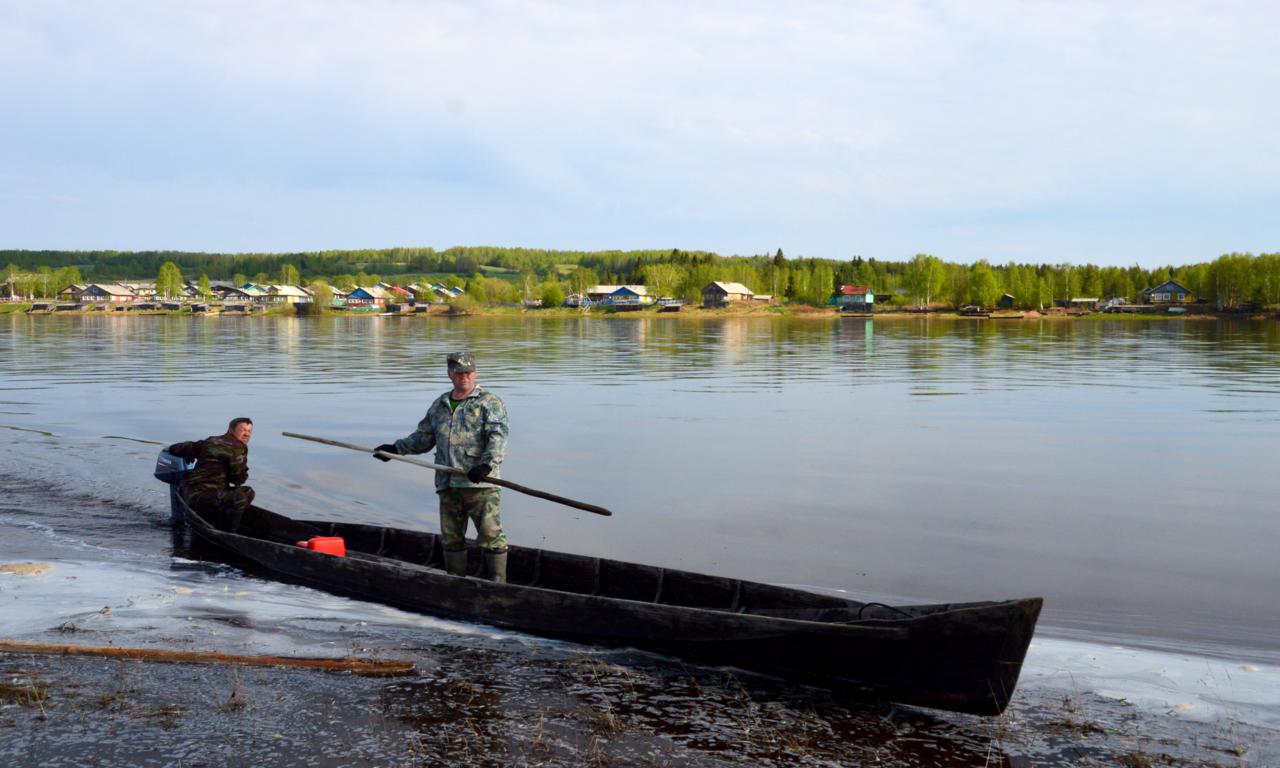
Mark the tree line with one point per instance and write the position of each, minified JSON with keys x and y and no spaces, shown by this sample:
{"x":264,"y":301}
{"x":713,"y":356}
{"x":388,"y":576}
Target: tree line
{"x":499,"y":274}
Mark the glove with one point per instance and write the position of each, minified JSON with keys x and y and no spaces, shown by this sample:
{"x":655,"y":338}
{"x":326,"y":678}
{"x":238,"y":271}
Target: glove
{"x":386,"y":448}
{"x":478,"y":473}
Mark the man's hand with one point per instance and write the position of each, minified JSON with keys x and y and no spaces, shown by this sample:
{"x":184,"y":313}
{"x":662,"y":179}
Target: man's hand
{"x":478,"y":473}
{"x":386,"y":448}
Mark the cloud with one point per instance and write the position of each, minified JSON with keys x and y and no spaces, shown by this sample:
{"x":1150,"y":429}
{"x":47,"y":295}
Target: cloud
{"x":734,"y":126}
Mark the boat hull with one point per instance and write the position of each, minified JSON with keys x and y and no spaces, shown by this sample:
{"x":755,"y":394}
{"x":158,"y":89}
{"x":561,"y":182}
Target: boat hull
{"x":962,"y":657}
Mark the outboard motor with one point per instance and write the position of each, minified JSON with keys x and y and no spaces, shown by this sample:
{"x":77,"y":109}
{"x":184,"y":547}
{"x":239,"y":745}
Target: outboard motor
{"x":173,"y":470}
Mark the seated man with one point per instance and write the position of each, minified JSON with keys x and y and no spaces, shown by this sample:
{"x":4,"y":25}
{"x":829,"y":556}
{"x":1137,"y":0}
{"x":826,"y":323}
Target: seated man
{"x":216,"y":488}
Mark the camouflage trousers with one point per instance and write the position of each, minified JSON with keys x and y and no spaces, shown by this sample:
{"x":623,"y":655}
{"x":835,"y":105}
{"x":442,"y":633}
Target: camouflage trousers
{"x":480,"y":505}
{"x":222,"y":509}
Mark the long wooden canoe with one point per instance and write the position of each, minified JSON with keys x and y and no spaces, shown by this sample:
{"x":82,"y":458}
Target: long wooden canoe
{"x":964,"y":657}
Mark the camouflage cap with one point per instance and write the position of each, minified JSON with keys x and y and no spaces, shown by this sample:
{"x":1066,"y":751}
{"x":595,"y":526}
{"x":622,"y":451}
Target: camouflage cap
{"x":461,"y":362}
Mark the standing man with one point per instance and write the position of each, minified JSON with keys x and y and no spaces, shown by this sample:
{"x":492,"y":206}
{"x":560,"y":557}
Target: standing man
{"x":467,"y":427}
{"x":216,"y":489}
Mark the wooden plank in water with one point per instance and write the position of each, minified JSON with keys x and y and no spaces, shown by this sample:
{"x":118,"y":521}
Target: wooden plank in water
{"x":356,"y":665}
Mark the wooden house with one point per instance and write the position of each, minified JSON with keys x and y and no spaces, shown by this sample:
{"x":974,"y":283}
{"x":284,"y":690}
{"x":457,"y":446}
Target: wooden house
{"x":258,"y":293}
{"x":719,"y":294}
{"x":368,"y":297}
{"x":231,"y":293}
{"x":854,"y":298}
{"x":446,"y":293}
{"x":598,"y":293}
{"x":72,"y":292}
{"x":629,"y":297}
{"x":109,"y":293}
{"x":1006,"y":301}
{"x":288,"y":294}
{"x":1168,"y":292}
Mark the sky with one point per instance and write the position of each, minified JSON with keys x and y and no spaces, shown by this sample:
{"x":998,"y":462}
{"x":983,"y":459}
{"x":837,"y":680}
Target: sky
{"x":1081,"y":132}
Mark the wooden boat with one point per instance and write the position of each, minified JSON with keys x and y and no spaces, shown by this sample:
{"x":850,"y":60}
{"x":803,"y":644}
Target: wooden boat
{"x":964,"y":657}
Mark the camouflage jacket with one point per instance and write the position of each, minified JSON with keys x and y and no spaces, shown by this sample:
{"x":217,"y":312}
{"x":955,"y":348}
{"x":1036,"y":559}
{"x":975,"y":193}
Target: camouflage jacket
{"x":221,"y":461}
{"x":476,"y":433}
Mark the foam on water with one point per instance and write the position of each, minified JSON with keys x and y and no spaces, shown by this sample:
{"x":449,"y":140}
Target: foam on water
{"x":1194,"y":687}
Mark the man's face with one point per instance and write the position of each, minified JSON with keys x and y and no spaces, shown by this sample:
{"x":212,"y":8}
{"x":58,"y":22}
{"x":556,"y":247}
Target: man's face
{"x":243,"y":432}
{"x":463,"y":382}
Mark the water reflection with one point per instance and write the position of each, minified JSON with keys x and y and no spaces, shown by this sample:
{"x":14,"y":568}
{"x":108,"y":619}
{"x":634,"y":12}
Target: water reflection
{"x":1120,"y":467}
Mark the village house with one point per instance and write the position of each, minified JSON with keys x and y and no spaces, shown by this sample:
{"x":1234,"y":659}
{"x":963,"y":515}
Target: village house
{"x":629,"y":297}
{"x":288,"y":294}
{"x":854,"y":298}
{"x":719,"y":294}
{"x":395,"y":292}
{"x":231,"y":293}
{"x":110,"y":293}
{"x":368,"y":297}
{"x":1168,"y":292}
{"x":255,"y":292}
{"x":446,"y":293}
{"x":141,"y":291}
{"x":599,"y":293}
{"x":72,"y":292}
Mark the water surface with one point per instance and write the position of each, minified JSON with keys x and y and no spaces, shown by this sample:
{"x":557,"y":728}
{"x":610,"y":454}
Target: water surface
{"x":1121,"y":469}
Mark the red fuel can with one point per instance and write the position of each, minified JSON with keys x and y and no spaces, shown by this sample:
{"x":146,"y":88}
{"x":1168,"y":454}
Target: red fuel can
{"x":330,"y":545}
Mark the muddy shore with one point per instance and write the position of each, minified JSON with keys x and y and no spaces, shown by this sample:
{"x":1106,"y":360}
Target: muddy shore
{"x":484,"y":706}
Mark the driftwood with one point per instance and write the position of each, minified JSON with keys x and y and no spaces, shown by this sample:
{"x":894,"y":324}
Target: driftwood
{"x":456,"y":471}
{"x":359,"y":666}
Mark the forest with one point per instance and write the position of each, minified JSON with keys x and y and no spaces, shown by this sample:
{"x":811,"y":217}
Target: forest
{"x":1230,"y":281}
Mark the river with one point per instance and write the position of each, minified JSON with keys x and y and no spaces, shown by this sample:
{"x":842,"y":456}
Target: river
{"x":1122,"y":469}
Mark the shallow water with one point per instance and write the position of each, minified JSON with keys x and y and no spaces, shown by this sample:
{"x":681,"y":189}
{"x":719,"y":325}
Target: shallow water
{"x":1120,"y":469}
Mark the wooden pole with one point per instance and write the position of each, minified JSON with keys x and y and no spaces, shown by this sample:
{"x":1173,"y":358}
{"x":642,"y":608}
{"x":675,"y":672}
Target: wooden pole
{"x":456,"y":471}
{"x":360,"y":666}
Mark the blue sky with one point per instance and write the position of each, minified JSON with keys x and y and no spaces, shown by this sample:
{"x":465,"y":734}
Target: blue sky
{"x":1112,"y":133}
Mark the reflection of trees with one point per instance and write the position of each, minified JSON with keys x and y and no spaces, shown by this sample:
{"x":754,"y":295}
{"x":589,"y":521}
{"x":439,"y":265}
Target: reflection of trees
{"x":753,"y":352}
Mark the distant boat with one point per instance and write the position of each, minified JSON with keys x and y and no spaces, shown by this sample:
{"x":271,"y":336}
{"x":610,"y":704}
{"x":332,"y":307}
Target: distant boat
{"x":1177,"y":310}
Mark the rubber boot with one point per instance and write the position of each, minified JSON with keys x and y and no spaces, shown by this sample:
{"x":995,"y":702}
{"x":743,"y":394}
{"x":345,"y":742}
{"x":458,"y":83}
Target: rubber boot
{"x":456,"y":562}
{"x":495,"y":566}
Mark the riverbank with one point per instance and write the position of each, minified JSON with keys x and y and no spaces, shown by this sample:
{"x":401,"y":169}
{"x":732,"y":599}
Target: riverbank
{"x":686,"y":313}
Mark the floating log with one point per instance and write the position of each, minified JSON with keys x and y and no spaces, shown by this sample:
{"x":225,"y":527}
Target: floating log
{"x":355,"y":665}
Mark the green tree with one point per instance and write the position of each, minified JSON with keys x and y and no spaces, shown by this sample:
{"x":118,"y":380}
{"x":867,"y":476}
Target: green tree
{"x":476,"y":289}
{"x":662,"y":278}
{"x":925,"y":277}
{"x":582,"y":279}
{"x":552,"y":294}
{"x":984,"y":289}
{"x":321,"y":296}
{"x":289,"y":275}
{"x":169,"y":280}
{"x":206,"y":290}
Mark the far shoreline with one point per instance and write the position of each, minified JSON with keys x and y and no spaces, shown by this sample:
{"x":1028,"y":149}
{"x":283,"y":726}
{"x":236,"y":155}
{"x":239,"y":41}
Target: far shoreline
{"x":802,"y":312}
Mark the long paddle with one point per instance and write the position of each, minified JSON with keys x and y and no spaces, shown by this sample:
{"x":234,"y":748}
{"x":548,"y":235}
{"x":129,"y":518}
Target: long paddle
{"x":455,"y":471}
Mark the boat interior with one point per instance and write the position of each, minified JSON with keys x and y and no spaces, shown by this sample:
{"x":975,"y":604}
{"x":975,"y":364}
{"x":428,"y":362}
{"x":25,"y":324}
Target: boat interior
{"x":586,"y":575}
